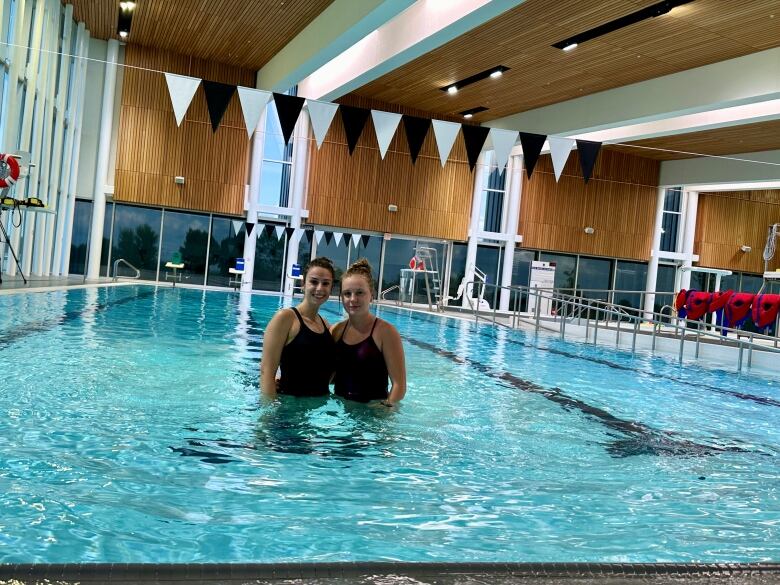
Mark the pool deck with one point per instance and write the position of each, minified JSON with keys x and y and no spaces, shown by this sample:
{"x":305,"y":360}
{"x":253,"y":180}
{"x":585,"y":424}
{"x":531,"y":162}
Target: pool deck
{"x":392,"y":573}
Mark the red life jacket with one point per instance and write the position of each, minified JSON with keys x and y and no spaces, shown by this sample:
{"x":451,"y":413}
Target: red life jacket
{"x":765,"y":308}
{"x":737,"y":309}
{"x":719,"y":300}
{"x":697,"y":304}
{"x":679,"y":302}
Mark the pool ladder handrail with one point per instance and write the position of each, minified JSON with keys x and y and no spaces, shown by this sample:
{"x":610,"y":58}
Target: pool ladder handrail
{"x":390,"y":289}
{"x":566,"y":303}
{"x":116,"y":266}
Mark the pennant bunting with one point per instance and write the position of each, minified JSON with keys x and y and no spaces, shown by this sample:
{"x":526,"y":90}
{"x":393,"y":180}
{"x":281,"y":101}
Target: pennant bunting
{"x":589,"y":152}
{"x":279,"y":231}
{"x":365,"y":239}
{"x":328,"y":238}
{"x":237,"y":223}
{"x":309,"y":233}
{"x":475,"y":137}
{"x":321,"y":114}
{"x":337,"y":236}
{"x":249,"y":228}
{"x":354,"y":120}
{"x":503,"y":141}
{"x":355,"y":240}
{"x":532,"y":146}
{"x":416,"y":131}
{"x":268,"y":230}
{"x":445,"y":133}
{"x":559,"y":151}
{"x":289,"y":108}
{"x":289,"y":231}
{"x":218,"y":97}
{"x":252,"y":103}
{"x":385,"y":125}
{"x":318,"y":236}
{"x":181,"y":89}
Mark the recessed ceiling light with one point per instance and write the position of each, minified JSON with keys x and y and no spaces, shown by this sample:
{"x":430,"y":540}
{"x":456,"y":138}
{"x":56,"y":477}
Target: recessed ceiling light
{"x":496,"y":73}
{"x":452,"y":89}
{"x":471,"y":111}
{"x":460,"y":84}
{"x":570,"y":47}
{"x":468,"y":116}
{"x":123,"y":34}
{"x":127,"y":6}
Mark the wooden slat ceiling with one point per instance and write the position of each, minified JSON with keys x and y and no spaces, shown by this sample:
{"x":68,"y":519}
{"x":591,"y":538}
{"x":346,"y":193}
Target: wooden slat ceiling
{"x":242,"y":33}
{"x":699,"y":33}
{"x":721,"y":141}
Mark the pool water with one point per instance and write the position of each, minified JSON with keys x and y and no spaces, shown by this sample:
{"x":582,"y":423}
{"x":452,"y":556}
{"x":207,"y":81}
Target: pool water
{"x":131,"y":430}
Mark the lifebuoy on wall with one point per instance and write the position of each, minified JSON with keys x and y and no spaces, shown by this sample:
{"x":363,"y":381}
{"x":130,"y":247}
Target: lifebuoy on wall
{"x":12,"y":167}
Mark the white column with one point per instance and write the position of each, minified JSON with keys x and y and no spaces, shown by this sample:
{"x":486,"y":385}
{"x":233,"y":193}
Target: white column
{"x":514,"y":192}
{"x":300,"y":160}
{"x":476,"y":207}
{"x":652,"y":265}
{"x":691,"y":208}
{"x":54,"y":189}
{"x":253,"y":201}
{"x":69,"y":177}
{"x":101,"y":169}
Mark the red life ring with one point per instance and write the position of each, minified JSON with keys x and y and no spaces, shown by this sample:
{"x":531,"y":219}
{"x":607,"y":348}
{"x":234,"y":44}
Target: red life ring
{"x":413,"y":263}
{"x":13,"y":170}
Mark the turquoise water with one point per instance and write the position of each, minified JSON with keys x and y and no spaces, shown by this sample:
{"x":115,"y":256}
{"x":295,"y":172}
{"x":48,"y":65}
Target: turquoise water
{"x":131,"y":430}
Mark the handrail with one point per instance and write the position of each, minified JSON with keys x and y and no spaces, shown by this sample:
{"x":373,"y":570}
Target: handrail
{"x":116,"y":265}
{"x":387,"y":290}
{"x":570,"y":308}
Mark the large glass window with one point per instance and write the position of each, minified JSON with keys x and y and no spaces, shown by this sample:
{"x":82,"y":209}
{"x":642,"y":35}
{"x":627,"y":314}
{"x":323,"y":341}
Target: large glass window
{"x":664,"y":284}
{"x":521,"y":275}
{"x":670,"y":223}
{"x":185,"y":235}
{"x":338,"y":254}
{"x":269,"y":261}
{"x":225,"y":247}
{"x":105,"y":249}
{"x":371,"y":252}
{"x":630,"y":276}
{"x":82,"y":219}
{"x":489,"y":262}
{"x":565,"y":270}
{"x":398,"y":252}
{"x":751,"y":283}
{"x":493,"y":192}
{"x":136,"y":238}
{"x":594,"y":278}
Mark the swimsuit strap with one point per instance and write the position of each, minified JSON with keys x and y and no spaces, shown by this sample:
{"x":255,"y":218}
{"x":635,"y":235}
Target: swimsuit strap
{"x":374,"y":325}
{"x":323,"y":322}
{"x":297,"y":314}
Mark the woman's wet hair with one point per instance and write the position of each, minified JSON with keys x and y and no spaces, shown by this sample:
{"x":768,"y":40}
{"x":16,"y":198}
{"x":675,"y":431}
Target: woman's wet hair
{"x":320,"y":262}
{"x":360,"y":268}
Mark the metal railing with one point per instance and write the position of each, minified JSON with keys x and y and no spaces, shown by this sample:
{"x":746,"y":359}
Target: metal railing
{"x":602,"y":315}
{"x":123,"y":261}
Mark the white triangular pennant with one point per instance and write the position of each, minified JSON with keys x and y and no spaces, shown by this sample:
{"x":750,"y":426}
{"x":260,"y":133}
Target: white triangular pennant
{"x":252,"y":103}
{"x":279,"y":232}
{"x":502,"y":142}
{"x":318,"y":235}
{"x":182,"y":89}
{"x":559,"y":151}
{"x":385,"y":124}
{"x":296,"y":235}
{"x":237,"y":223}
{"x":446,"y":133}
{"x":355,"y":239}
{"x":337,"y":236}
{"x":321,"y":115}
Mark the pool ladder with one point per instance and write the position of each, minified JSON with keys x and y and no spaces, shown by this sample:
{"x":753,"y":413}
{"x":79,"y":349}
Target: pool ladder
{"x":123,"y":261}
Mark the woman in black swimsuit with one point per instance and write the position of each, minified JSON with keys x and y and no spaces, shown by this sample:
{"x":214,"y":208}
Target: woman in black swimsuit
{"x":368,"y":349}
{"x":298,"y":340}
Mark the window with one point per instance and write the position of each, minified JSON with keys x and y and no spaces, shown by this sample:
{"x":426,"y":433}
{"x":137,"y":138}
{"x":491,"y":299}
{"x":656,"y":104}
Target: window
{"x":225,"y":246}
{"x":629,"y":276}
{"x":185,"y":234}
{"x":136,"y":238}
{"x":398,"y":252}
{"x":493,"y":193}
{"x":269,"y":261}
{"x":82,"y":218}
{"x":565,"y":270}
{"x":277,"y":156}
{"x":594,"y":278}
{"x":670,"y":223}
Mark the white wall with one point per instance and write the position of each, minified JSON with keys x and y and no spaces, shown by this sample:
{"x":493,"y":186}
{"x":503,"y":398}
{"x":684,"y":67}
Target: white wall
{"x":90,"y":129}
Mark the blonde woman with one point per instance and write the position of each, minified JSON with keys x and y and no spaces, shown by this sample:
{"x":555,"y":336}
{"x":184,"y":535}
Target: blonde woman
{"x":370,"y":363}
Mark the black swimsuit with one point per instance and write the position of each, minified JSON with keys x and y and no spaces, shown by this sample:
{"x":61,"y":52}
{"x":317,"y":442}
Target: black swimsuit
{"x":361,"y":373}
{"x":307,"y":362}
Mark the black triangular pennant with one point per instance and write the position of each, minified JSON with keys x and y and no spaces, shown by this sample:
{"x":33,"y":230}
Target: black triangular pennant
{"x":416,"y":130}
{"x":532,"y":146}
{"x":346,"y":239}
{"x":269,"y":229}
{"x":217,"y":99}
{"x":588,"y":152}
{"x":474,"y":137}
{"x":364,"y":239}
{"x":309,"y":235}
{"x":288,"y":107}
{"x":354,"y":120}
{"x":328,"y":237}
{"x":289,"y":231}
{"x":249,"y":228}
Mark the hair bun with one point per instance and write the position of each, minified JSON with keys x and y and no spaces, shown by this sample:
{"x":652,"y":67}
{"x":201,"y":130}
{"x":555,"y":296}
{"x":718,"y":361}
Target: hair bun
{"x":361,"y":267}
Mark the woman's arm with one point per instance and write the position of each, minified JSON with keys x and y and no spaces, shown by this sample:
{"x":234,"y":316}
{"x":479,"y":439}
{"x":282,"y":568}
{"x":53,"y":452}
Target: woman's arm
{"x":393,"y":352}
{"x":274,"y":340}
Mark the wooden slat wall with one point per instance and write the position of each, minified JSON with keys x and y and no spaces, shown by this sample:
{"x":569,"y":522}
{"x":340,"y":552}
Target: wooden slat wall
{"x":354,"y":192}
{"x":152,"y":150}
{"x":618,"y":202}
{"x":727,"y":220}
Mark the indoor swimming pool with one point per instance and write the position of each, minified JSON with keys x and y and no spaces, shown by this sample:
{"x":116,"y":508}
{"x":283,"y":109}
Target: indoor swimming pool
{"x":131,"y":430}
